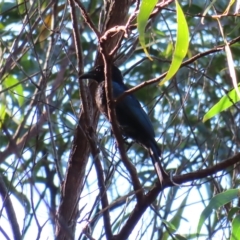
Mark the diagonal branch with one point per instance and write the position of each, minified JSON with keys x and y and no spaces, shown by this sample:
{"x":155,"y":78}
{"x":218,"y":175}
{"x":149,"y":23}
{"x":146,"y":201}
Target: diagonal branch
{"x":150,"y":197}
{"x":185,"y":63}
{"x":87,"y":19}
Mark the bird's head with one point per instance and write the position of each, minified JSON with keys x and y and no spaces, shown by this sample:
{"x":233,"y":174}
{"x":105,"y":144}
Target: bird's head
{"x":98,"y":74}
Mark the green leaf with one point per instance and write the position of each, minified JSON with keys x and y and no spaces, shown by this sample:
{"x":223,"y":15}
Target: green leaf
{"x":145,"y":10}
{"x":235,"y":228}
{"x":2,"y":114}
{"x":179,"y":237}
{"x":21,"y":6}
{"x":169,"y":50}
{"x":13,"y":85}
{"x":207,"y":9}
{"x":182,"y":43}
{"x":174,"y":223}
{"x":233,"y":211}
{"x":215,"y":203}
{"x":45,"y":28}
{"x":170,"y":226}
{"x":178,"y":216}
{"x":224,"y":103}
{"x":231,"y":68}
{"x":1,"y":26}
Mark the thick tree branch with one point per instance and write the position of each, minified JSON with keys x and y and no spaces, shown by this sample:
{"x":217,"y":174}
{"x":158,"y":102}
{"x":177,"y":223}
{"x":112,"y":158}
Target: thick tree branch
{"x":83,"y":136}
{"x":72,"y":185}
{"x":150,"y":197}
{"x":113,"y":120}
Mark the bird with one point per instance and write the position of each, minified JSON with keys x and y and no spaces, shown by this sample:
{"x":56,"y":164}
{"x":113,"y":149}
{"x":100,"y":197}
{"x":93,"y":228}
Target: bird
{"x":131,"y":118}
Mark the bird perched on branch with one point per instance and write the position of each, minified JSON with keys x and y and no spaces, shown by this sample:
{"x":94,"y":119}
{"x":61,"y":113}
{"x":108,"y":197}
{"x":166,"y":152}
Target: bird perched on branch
{"x":132,"y":119}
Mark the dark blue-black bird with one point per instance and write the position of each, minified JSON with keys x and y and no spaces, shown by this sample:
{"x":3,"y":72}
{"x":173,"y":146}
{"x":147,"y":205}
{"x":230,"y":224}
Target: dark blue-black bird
{"x":132,"y":119}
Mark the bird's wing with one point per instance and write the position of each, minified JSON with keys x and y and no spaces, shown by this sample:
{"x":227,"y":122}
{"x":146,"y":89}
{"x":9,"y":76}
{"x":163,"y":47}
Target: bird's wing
{"x":130,"y":112}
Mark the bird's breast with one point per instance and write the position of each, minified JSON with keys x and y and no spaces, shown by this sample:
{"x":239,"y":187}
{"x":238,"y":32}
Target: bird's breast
{"x":100,"y":98}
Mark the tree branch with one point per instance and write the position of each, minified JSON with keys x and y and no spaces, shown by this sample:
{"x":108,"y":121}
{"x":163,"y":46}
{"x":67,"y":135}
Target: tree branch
{"x":185,"y":63}
{"x":115,"y":127}
{"x":7,"y":203}
{"x":150,"y":197}
{"x":72,"y":185}
{"x":101,"y":184}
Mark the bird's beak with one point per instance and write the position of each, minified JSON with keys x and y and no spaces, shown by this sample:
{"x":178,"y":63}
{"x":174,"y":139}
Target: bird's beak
{"x":89,"y":75}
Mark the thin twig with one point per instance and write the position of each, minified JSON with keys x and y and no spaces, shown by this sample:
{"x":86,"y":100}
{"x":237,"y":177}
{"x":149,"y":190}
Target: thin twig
{"x":102,"y":187}
{"x":185,"y":63}
{"x":87,"y":19}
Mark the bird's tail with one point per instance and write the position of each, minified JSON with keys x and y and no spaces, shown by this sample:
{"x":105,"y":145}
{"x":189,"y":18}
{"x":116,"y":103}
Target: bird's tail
{"x":155,"y":154}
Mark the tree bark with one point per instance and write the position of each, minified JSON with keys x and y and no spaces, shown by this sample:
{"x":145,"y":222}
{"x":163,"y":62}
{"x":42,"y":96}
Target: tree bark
{"x":116,"y":14}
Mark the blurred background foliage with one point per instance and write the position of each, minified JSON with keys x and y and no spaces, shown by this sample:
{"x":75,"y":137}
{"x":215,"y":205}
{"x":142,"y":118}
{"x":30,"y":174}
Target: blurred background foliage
{"x":40,"y":105}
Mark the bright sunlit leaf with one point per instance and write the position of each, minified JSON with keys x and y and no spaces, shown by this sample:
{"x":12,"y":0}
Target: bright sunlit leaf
{"x":228,"y":7}
{"x":182,"y":43}
{"x":46,"y":27}
{"x":232,"y":97}
{"x":235,"y":228}
{"x":232,"y":68}
{"x":2,"y":113}
{"x":217,"y":202}
{"x":225,"y":102}
{"x":206,"y":10}
{"x":15,"y":88}
{"x":145,"y":10}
